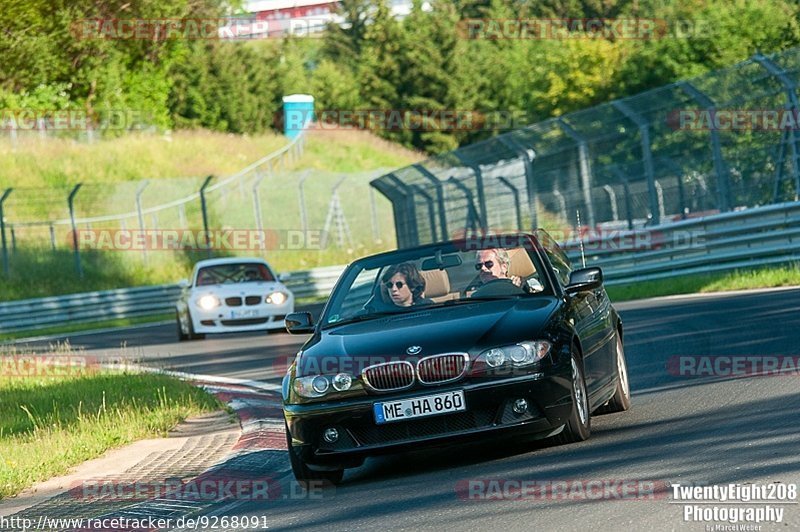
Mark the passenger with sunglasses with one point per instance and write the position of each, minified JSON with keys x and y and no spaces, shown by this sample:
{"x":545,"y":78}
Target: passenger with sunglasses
{"x":405,"y":285}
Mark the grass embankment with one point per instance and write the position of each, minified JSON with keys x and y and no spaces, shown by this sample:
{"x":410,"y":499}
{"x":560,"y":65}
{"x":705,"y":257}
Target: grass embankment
{"x":768,"y":277}
{"x":57,"y":162}
{"x":110,"y":169}
{"x":51,"y":423}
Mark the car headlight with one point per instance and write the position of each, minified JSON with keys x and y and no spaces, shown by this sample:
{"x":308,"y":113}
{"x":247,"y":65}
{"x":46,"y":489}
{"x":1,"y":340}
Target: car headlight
{"x":277,"y":298}
{"x":208,"y":302}
{"x":517,"y":355}
{"x":319,"y":385}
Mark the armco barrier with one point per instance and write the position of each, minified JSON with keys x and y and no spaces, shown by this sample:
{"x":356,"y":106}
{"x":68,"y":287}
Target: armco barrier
{"x":40,"y":313}
{"x":753,"y":237}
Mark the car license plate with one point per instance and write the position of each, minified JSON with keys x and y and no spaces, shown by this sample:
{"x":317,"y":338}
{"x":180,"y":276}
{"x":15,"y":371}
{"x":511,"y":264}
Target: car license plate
{"x":428,"y":405}
{"x":249,"y":313}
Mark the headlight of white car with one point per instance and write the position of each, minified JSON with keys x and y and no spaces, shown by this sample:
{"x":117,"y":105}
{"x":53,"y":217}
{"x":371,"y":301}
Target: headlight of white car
{"x":208,"y":302}
{"x":277,"y":298}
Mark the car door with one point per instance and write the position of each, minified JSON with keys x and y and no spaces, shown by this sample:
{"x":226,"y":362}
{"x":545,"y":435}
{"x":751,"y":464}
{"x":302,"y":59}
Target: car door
{"x":590,"y":315}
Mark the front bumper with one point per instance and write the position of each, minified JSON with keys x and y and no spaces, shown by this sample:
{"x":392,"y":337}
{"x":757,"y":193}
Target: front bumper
{"x":222,"y":319}
{"x":488,"y":415}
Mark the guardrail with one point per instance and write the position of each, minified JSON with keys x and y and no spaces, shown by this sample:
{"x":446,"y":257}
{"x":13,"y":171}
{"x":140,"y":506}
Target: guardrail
{"x":753,"y":237}
{"x":41,"y":313}
{"x":747,"y":238}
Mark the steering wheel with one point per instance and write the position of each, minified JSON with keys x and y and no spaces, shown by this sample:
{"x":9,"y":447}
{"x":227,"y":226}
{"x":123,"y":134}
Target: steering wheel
{"x":497,"y":287}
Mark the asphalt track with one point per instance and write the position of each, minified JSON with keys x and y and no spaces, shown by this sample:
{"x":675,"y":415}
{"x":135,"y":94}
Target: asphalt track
{"x":687,"y":430}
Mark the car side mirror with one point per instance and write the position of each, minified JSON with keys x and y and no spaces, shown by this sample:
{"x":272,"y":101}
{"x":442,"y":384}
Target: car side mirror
{"x":299,"y":323}
{"x":183,"y":283}
{"x":584,"y":280}
{"x":285,"y":276}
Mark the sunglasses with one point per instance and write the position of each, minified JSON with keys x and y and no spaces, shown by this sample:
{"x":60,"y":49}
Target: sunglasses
{"x":489,"y":265}
{"x":397,"y":284}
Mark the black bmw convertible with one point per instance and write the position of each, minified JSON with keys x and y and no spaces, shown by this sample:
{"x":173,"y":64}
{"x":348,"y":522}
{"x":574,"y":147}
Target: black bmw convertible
{"x":477,"y":338}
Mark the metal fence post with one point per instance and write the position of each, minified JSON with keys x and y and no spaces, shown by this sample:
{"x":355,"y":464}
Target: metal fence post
{"x":302,"y":199}
{"x":721,"y":169}
{"x":681,"y":192}
{"x":3,"y":230}
{"x":77,"y":252}
{"x":373,"y":208}
{"x":257,"y":202}
{"x":476,"y":170}
{"x":411,"y":233}
{"x":517,"y":207}
{"x":397,"y":197}
{"x":791,"y":105}
{"x":612,"y":199}
{"x":436,"y":182}
{"x":585,"y":168}
{"x":205,"y":213}
{"x":526,"y":155}
{"x":647,"y":155}
{"x":140,"y":215}
{"x":626,"y":187}
{"x":431,"y":216}
{"x":562,"y":202}
{"x":472,"y":214}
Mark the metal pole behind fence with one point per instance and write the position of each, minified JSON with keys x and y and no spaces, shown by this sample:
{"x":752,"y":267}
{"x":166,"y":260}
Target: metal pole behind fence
{"x":52,"y":237}
{"x":205,"y":212}
{"x":302,"y":199}
{"x":257,"y":204}
{"x":77,"y":252}
{"x":140,"y":215}
{"x":3,"y":230}
{"x":374,"y":215}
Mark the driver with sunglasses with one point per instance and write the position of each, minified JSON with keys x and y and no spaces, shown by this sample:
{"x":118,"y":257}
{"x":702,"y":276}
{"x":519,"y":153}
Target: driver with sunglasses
{"x":405,"y":285}
{"x":493,"y":264}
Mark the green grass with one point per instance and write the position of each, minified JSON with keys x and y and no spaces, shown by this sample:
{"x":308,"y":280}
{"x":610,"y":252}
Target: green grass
{"x":767,"y":277}
{"x":79,"y":327}
{"x":61,"y":162}
{"x":48,"y":423}
{"x":110,"y":167}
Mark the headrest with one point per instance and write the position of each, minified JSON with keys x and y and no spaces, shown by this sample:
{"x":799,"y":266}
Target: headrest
{"x":437,"y":283}
{"x":521,"y":264}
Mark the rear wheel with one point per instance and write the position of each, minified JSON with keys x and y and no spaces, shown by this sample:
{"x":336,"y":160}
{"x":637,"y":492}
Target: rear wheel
{"x":302,"y":472}
{"x":578,"y":426}
{"x":621,"y":400}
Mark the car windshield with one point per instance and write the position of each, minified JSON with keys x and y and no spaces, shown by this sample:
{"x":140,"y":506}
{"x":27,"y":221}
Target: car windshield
{"x":243,"y":272}
{"x":435,"y":276}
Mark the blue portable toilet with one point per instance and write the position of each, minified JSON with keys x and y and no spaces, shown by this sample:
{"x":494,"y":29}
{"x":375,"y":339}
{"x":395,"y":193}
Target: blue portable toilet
{"x":298,"y":112}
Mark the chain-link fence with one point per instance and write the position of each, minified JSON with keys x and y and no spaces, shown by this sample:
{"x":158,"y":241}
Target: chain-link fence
{"x":266,"y":209}
{"x":719,"y":142}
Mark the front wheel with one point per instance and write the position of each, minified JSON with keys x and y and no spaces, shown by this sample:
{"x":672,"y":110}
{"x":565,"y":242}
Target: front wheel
{"x":182,"y":336}
{"x":302,"y":472}
{"x":621,"y":401}
{"x":193,"y":335}
{"x":579,"y":424}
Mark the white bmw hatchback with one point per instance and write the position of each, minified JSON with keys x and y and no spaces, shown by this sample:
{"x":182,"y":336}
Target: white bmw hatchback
{"x":232,"y":295}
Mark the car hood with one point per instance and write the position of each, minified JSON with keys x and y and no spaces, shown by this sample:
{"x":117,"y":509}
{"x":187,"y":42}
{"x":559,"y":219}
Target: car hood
{"x":460,"y":328}
{"x":239,"y":289}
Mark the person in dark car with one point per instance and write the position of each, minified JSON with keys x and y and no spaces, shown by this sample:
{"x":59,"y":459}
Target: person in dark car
{"x":405,"y":285}
{"x":493,"y":264}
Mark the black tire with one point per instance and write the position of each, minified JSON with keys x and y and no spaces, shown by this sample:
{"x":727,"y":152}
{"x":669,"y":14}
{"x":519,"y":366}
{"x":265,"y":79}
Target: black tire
{"x":303,"y":474}
{"x":182,"y":337}
{"x":579,"y":425}
{"x":621,"y":401}
{"x":193,"y":335}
